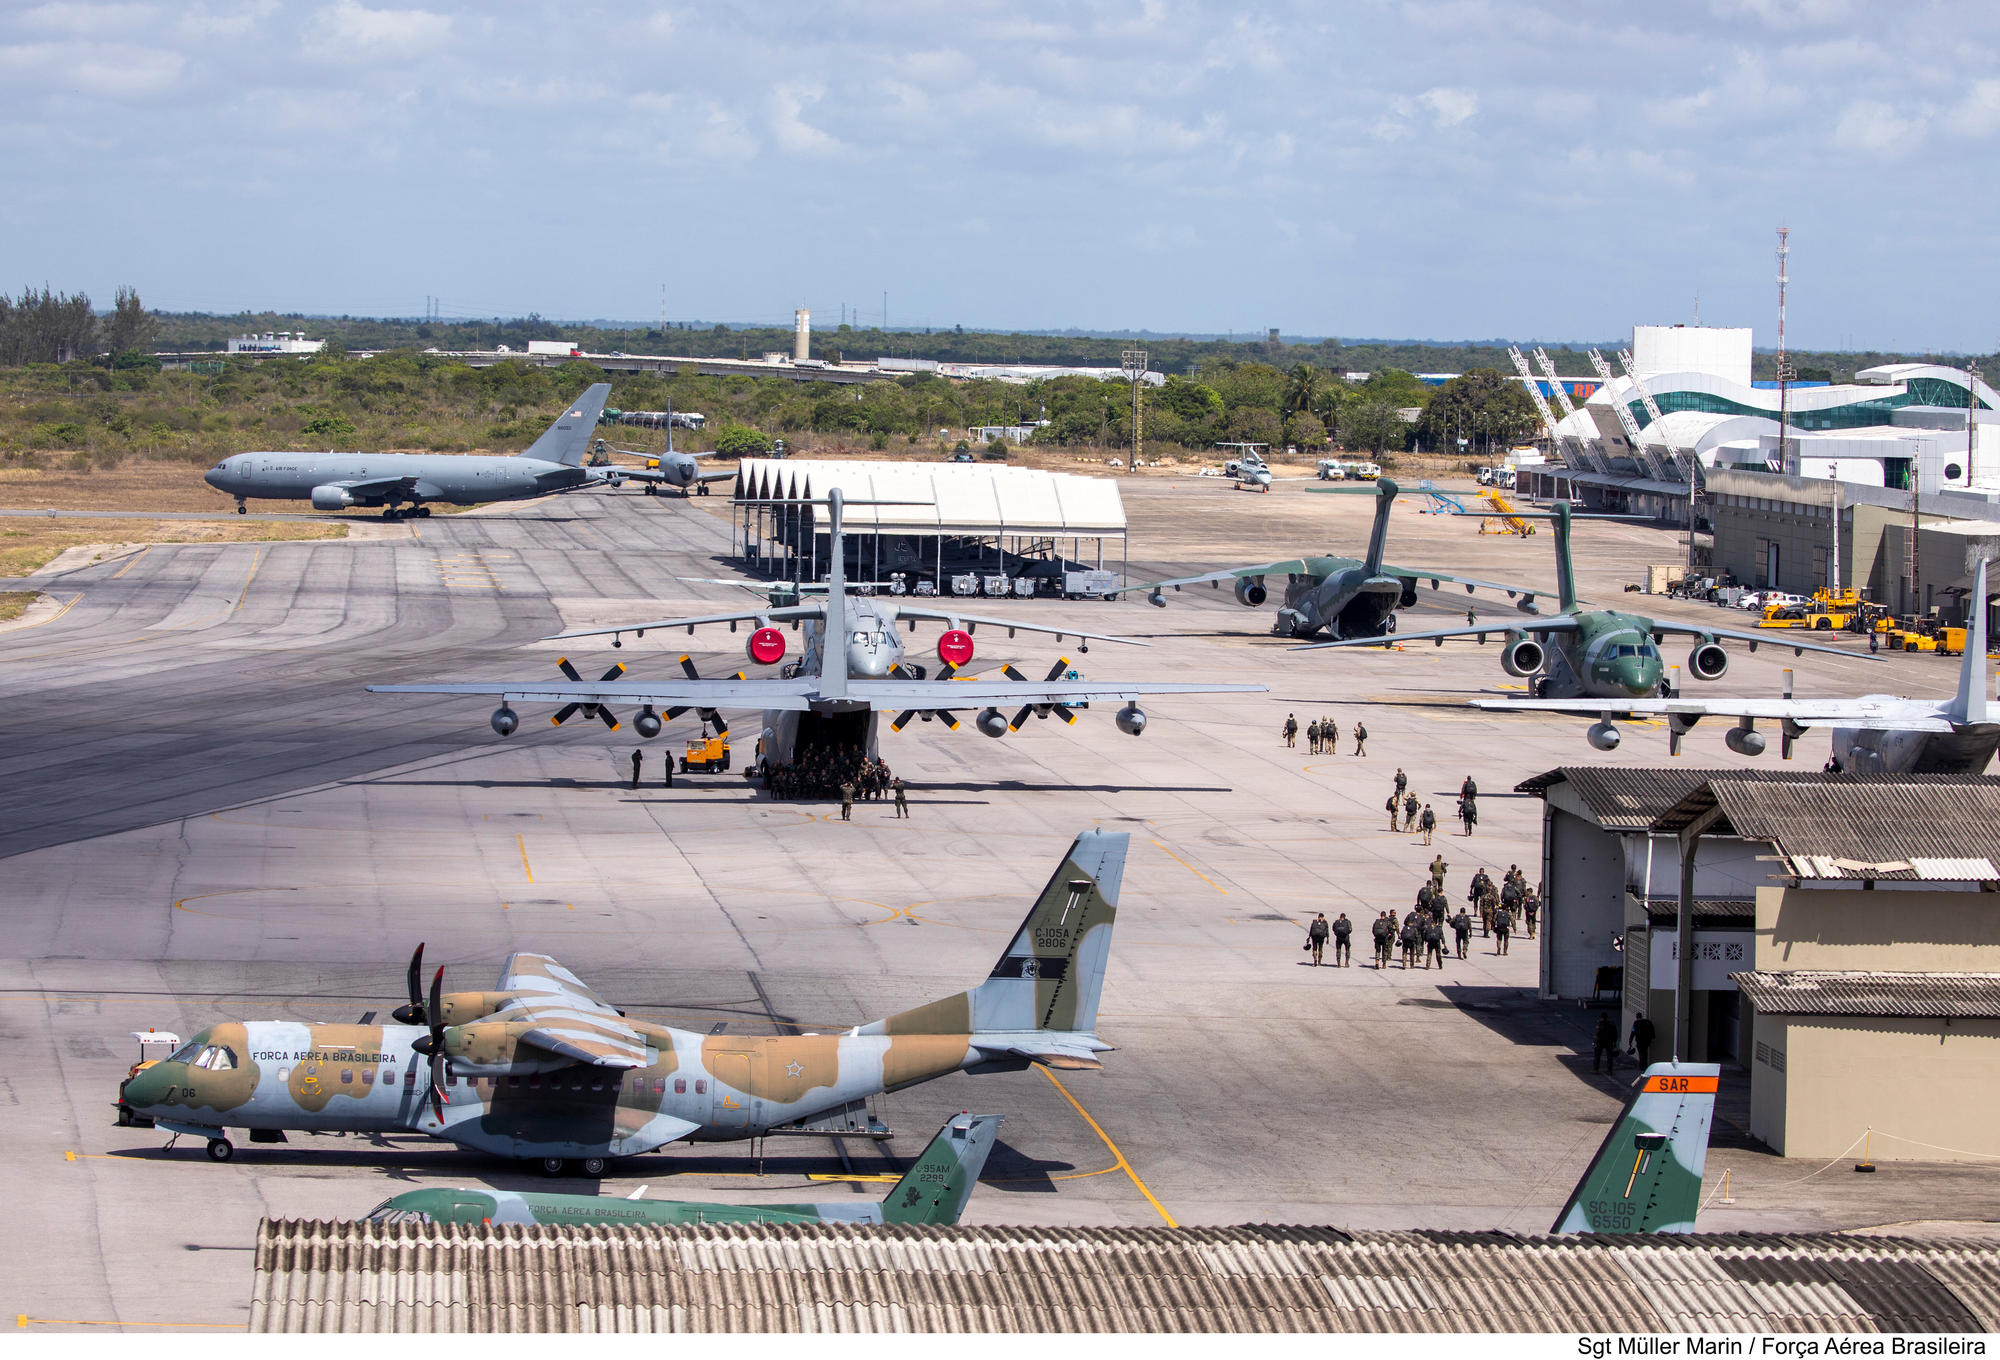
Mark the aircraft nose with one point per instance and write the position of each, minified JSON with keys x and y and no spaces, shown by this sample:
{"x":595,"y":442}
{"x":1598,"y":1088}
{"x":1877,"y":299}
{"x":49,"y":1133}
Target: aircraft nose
{"x":214,"y":477}
{"x":149,"y":1088}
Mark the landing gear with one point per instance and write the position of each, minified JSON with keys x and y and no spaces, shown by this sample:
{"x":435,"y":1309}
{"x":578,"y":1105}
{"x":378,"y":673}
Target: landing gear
{"x":421,"y":511}
{"x":592,"y":1167}
{"x":241,"y":508}
{"x":392,"y":514}
{"x":220,"y":1150}
{"x":554,"y":1166}
{"x":651,"y":490}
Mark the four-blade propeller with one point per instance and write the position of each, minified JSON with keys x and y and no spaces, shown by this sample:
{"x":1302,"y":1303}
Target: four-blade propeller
{"x":949,"y":718}
{"x":598,"y":711}
{"x":1062,"y":711}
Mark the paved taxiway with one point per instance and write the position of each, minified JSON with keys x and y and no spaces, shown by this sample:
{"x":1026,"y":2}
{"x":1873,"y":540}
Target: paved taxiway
{"x":202,"y":816}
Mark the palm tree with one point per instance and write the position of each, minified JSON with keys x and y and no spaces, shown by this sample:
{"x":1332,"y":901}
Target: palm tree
{"x":1302,"y":389}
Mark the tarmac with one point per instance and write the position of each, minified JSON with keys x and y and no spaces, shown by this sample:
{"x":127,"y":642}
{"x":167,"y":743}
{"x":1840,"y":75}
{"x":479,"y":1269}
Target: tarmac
{"x":203,"y":817}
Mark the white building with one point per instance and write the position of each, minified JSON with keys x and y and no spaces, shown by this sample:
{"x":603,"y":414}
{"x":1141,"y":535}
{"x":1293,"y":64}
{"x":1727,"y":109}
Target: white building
{"x":275,"y":342}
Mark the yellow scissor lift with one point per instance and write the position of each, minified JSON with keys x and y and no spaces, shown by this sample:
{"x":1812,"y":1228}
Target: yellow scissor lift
{"x":1511,"y":523}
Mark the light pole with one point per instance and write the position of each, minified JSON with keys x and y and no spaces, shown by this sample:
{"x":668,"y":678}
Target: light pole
{"x":1135,"y":370}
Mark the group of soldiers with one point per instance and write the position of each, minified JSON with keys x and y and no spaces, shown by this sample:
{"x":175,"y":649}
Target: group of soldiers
{"x":1420,"y":936}
{"x":823,"y":772}
{"x":1323,"y":736}
{"x":1504,"y":909}
{"x":1418,"y":815}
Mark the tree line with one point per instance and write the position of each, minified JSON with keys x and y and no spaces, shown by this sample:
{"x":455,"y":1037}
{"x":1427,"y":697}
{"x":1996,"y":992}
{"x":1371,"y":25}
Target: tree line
{"x":48,"y":327}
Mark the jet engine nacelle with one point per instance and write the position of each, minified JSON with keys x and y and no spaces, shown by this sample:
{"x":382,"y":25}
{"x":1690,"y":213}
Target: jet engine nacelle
{"x":1708,"y":661}
{"x":1603,"y":736}
{"x":991,"y":722}
{"x":1408,"y":599}
{"x":1131,"y":720}
{"x":766,"y":646}
{"x":505,"y":720}
{"x":331,"y":498}
{"x":1250,"y":591}
{"x":1745,"y":740}
{"x":1522,"y":657}
{"x":647,"y":723}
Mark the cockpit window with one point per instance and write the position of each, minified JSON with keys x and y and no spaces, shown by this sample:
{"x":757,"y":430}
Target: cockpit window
{"x":186,"y":1052}
{"x":386,"y":1212}
{"x":215,"y":1058}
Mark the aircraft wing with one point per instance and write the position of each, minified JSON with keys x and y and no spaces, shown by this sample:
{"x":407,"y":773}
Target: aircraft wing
{"x":787,"y":695}
{"x":1879,"y":712}
{"x":954,"y":618}
{"x":375,"y":486}
{"x":565,"y":1017}
{"x":1295,"y":567}
{"x":1064,"y":1049}
{"x":655,"y":475}
{"x":1471,"y":583}
{"x":781,"y":614}
{"x":1775,"y":637}
{"x":947,"y":694}
{"x":1560,"y":623}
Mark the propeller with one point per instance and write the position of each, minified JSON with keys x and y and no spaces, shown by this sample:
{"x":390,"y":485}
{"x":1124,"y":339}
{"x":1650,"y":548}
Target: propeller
{"x":413,"y":1014}
{"x":598,"y":711}
{"x":1062,"y":711}
{"x":708,"y":715}
{"x":950,"y":718}
{"x":432,"y":1045}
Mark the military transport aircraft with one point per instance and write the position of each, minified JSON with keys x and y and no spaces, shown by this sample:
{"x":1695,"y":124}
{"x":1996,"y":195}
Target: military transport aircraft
{"x":1646,"y":1176}
{"x":1874,"y":734}
{"x":934,"y":1190}
{"x":542,"y":1068}
{"x":673,"y":468}
{"x":1343,"y":596}
{"x":852,"y":671}
{"x":341,"y":481}
{"x":1581,"y":653}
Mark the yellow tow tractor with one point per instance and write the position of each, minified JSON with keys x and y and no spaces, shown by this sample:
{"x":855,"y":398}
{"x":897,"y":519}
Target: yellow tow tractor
{"x":1824,"y":612}
{"x":708,"y":755}
{"x":1925,"y":636}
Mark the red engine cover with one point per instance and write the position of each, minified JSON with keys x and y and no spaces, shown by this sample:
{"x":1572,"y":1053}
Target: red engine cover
{"x":767,"y":646}
{"x":954,"y":646}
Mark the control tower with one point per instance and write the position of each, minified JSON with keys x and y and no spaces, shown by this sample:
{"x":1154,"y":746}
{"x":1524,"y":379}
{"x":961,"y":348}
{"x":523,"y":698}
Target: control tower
{"x":801,"y":334}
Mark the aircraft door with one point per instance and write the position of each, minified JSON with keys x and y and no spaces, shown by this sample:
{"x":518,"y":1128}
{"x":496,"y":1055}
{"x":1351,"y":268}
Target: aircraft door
{"x":735,"y":1074}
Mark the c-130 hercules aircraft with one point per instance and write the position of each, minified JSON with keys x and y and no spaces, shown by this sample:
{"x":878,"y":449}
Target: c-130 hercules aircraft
{"x":542,"y":1068}
{"x":853,"y":670}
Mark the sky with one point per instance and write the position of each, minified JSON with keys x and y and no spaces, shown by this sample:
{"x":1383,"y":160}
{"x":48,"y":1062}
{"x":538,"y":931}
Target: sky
{"x":1444,"y":170}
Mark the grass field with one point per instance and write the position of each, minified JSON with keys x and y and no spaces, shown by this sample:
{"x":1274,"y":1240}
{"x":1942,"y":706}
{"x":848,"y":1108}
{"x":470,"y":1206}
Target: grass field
{"x":28,"y":545}
{"x":14,"y":602}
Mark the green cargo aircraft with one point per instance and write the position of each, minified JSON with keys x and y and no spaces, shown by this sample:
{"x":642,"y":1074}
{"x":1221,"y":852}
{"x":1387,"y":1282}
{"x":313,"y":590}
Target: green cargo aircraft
{"x":934,"y":1190}
{"x":1580,"y":653}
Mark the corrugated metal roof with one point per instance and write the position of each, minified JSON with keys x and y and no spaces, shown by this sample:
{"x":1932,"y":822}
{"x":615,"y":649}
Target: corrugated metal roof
{"x":1708,"y":910}
{"x":1959,"y":996}
{"x":316,"y":1276}
{"x":1622,"y":797}
{"x":1931,"y":827}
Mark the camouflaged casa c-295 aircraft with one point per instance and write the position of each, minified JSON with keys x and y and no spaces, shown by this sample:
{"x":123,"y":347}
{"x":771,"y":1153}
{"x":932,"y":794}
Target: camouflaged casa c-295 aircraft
{"x":542,"y":1068}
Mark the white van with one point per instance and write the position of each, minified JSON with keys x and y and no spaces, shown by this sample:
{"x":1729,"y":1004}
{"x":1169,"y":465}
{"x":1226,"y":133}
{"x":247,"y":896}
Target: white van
{"x":1332,"y":470}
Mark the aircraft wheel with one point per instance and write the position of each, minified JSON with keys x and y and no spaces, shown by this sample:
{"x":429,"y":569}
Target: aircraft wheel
{"x":422,"y":512}
{"x":242,"y":509}
{"x":1389,"y":624}
{"x":592,"y":1167}
{"x":390,"y":514}
{"x":554,"y":1166}
{"x":220,"y":1150}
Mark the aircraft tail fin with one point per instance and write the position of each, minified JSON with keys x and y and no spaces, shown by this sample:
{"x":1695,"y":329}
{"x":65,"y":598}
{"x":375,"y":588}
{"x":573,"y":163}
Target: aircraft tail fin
{"x":938,"y":1184}
{"x":1646,"y":1177}
{"x":1378,"y":536}
{"x":1565,"y":570}
{"x":1970,"y":705}
{"x":1040,"y":1000}
{"x":568,"y":439}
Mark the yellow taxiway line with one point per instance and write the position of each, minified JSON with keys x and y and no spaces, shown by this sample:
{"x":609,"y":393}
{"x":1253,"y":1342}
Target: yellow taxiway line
{"x":1110,"y":1146}
{"x":524,"y":857}
{"x":1191,"y":869}
{"x":23,"y":1320}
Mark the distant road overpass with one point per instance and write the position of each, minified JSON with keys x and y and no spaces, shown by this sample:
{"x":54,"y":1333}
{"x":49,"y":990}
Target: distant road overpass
{"x":611,"y":363}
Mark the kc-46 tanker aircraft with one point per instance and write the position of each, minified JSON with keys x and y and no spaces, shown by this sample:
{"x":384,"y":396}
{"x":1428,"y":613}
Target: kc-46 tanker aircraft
{"x":401,"y":483}
{"x":853,"y":670}
{"x":1872,"y":734}
{"x":1580,"y":653}
{"x":542,"y":1068}
{"x":1344,"y":596}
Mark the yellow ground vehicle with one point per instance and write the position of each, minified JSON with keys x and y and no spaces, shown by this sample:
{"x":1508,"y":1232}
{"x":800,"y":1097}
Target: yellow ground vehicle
{"x":706,"y":756}
{"x":1945,"y":641}
{"x":1814,"y":616}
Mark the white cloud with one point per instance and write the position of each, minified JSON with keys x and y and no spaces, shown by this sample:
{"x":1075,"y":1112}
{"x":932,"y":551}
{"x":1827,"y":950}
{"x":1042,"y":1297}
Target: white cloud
{"x":113,"y":71}
{"x":352,"y":32}
{"x":1449,"y":107}
{"x":1871,"y":125}
{"x":209,"y":21}
{"x":788,"y":125}
{"x":87,"y":19}
{"x":1978,"y":114}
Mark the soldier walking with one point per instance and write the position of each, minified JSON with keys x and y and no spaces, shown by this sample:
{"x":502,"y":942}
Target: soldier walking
{"x":666,"y":769}
{"x":1402,"y":782}
{"x":638,"y":759}
{"x":1502,"y":928}
{"x":1428,"y":822}
{"x":1531,"y":907}
{"x":1642,"y":1039}
{"x":1604,"y":1044}
{"x":1329,"y":736}
{"x":1360,"y":740}
{"x":1438,"y":870}
{"x":1433,"y":943}
{"x":902,"y":797}
{"x":1461,"y":929}
{"x":1382,"y":931}
{"x":1291,"y":731}
{"x":1312,"y":736}
{"x":1410,"y":937}
{"x":1316,"y":934}
{"x":1391,"y":806}
{"x":1410,"y":806}
{"x":1343,"y":952}
{"x":1468,"y":812}
{"x":1468,"y":789}
{"x":846,"y":800}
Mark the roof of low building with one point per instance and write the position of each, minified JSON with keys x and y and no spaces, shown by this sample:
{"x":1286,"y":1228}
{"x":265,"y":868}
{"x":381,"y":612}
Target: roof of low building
{"x":1710,"y":911}
{"x":1887,"y":827}
{"x":1957,"y":996}
{"x":361,"y":1277}
{"x":941,"y":498}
